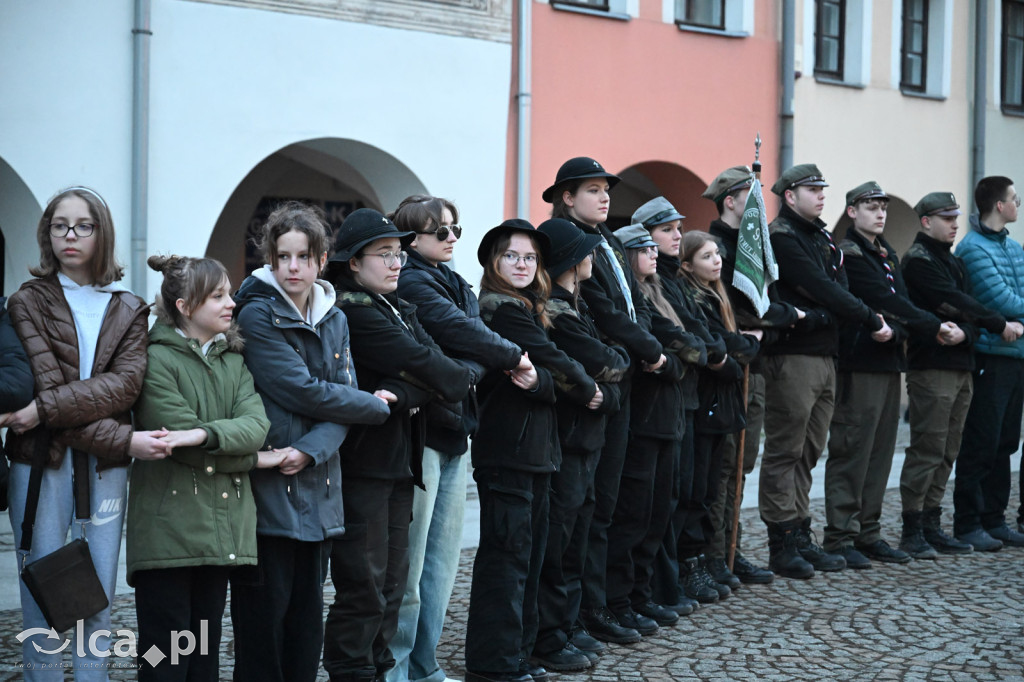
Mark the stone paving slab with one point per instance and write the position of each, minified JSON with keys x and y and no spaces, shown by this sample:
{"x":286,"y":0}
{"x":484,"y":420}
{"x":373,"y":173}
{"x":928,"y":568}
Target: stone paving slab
{"x":957,"y":618}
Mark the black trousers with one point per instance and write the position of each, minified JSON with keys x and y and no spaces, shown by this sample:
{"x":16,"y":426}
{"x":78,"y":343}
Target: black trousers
{"x":277,"y":611}
{"x":572,"y":507}
{"x":503,"y":620}
{"x":178,"y":600}
{"x":665,"y":581}
{"x":369,"y":567}
{"x":640,"y":520}
{"x":697,"y":529}
{"x":981,"y":490}
{"x":606,"y":494}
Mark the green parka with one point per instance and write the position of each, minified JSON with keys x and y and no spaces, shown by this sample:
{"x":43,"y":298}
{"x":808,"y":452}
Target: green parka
{"x":196,"y":508}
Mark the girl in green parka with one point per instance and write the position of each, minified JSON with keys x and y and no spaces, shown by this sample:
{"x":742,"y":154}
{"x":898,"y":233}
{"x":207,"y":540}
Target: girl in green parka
{"x":191,"y":516}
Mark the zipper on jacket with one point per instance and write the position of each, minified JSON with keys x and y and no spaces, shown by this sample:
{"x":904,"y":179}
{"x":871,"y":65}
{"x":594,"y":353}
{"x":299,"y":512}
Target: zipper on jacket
{"x":348,"y":357}
{"x":238,"y":486}
{"x":195,"y":483}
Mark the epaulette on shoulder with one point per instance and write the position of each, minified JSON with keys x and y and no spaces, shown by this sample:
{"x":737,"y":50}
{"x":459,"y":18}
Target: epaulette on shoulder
{"x":851,"y":249}
{"x":355,"y":298}
{"x":916,"y":251}
{"x":490,"y":301}
{"x":778,"y":226}
{"x":558,"y":306}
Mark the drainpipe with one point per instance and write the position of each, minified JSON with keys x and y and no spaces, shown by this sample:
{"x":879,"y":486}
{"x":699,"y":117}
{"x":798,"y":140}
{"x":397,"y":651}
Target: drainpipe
{"x":141,"y":35}
{"x":523,"y":112}
{"x":788,"y":82}
{"x":980,"y":89}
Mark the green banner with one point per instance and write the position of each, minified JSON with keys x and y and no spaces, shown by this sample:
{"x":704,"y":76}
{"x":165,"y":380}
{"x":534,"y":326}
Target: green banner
{"x":755,"y":262}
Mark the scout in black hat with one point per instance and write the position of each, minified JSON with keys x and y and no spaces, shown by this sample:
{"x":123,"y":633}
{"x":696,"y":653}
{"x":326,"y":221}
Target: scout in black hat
{"x":361,"y":229}
{"x":569,"y":245}
{"x":511,"y":226}
{"x":578,"y":168}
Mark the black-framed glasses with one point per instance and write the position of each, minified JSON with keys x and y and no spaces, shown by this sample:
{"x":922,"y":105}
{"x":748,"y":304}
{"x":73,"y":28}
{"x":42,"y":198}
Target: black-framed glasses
{"x":61,"y":230}
{"x":512,"y":258}
{"x":390,"y":257}
{"x":442,"y":232}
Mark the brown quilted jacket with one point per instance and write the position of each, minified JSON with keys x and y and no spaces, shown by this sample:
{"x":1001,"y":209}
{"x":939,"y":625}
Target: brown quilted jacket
{"x":91,"y":415}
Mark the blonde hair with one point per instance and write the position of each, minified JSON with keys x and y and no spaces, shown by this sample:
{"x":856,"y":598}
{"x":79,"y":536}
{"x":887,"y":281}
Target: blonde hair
{"x":104,"y":267}
{"x":693,"y":242}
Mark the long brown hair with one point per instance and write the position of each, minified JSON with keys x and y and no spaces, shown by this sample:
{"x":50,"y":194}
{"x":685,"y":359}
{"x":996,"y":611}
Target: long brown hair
{"x":104,"y":267}
{"x":693,"y":242}
{"x":651,"y":290}
{"x":540,"y":287}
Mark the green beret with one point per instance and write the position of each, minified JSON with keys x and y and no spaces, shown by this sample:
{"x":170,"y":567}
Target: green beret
{"x":805,"y":175}
{"x":727,"y":182}
{"x":868,"y":190}
{"x":937,"y":203}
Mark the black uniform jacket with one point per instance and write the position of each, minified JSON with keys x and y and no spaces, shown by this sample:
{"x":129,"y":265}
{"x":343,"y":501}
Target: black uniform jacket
{"x":394,"y":353}
{"x":680,"y":295}
{"x":936,"y":280}
{"x":518,"y":428}
{"x":812,"y":278}
{"x":869,"y":267}
{"x":779,"y":316}
{"x":574,"y":332}
{"x":448,"y":310}
{"x":607,"y":304}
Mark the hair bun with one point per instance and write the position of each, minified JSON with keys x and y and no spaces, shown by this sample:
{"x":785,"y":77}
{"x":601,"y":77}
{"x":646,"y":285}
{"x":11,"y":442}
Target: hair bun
{"x":163,"y":263}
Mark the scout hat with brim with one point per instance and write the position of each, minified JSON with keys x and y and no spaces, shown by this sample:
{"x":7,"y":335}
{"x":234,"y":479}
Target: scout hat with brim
{"x":937,"y":203}
{"x":803,"y":175}
{"x":578,"y":168}
{"x":362,"y":227}
{"x":509,"y":227}
{"x":569,"y":245}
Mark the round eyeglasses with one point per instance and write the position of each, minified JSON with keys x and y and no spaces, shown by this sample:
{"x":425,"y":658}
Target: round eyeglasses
{"x":442,"y":232}
{"x":390,"y":258}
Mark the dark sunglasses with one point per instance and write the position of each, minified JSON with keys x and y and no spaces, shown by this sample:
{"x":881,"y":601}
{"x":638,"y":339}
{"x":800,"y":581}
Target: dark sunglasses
{"x":442,"y":232}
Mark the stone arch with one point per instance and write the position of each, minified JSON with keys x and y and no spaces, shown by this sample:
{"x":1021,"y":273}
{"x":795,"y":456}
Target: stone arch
{"x":646,"y":180}
{"x":338,"y":174}
{"x":19,"y":215}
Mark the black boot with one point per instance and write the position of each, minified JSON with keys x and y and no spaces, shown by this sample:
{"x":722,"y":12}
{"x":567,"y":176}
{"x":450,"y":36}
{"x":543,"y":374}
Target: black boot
{"x":813,"y":553}
{"x":912,"y":541}
{"x":931,"y":525}
{"x":784,"y":557}
{"x":750,"y":573}
{"x":692,"y":583}
{"x":721,"y":574}
{"x":705,"y":575}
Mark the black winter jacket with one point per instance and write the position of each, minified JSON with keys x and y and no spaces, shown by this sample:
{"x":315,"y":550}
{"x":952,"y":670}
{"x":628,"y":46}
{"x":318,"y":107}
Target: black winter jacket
{"x":447,"y":309}
{"x":680,"y":295}
{"x":866,"y":264}
{"x":394,"y":353}
{"x":518,"y":428}
{"x":657,"y":399}
{"x":305,"y":377}
{"x":812,"y":278}
{"x":15,"y":372}
{"x":936,"y":281}
{"x":574,"y":332}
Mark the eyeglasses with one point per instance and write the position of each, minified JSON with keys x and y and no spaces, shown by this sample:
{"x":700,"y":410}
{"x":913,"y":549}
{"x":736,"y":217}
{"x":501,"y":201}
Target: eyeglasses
{"x":1015,"y":200}
{"x":390,"y":257}
{"x":511,"y":258}
{"x":60,"y":230}
{"x":651,"y":251}
{"x":442,"y":232}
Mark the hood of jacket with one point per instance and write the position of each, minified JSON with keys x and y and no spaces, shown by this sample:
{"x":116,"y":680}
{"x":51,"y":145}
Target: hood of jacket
{"x":262,"y":284}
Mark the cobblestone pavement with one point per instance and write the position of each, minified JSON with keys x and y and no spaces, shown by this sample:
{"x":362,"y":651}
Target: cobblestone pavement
{"x":956,"y":619}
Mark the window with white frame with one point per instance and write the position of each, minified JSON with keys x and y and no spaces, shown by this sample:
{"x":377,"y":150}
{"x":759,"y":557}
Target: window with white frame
{"x":1012,"y":57}
{"x":615,"y":9}
{"x":730,"y":17}
{"x":922,"y":58}
{"x":837,"y":40}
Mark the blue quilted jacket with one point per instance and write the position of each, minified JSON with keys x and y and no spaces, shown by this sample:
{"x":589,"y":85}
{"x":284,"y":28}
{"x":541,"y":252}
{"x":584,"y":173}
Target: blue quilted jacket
{"x":995,"y":272}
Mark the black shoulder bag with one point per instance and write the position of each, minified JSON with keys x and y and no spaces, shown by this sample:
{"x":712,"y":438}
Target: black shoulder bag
{"x":64,"y":583}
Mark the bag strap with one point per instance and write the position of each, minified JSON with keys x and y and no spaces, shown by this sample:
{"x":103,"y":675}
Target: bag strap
{"x":40,"y":454}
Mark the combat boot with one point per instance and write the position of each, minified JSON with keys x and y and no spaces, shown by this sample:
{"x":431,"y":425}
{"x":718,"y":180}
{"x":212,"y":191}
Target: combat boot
{"x":912,"y":540}
{"x":784,"y":557}
{"x":691,"y":580}
{"x":931,"y":525}
{"x":705,"y":575}
{"x":813,"y":553}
